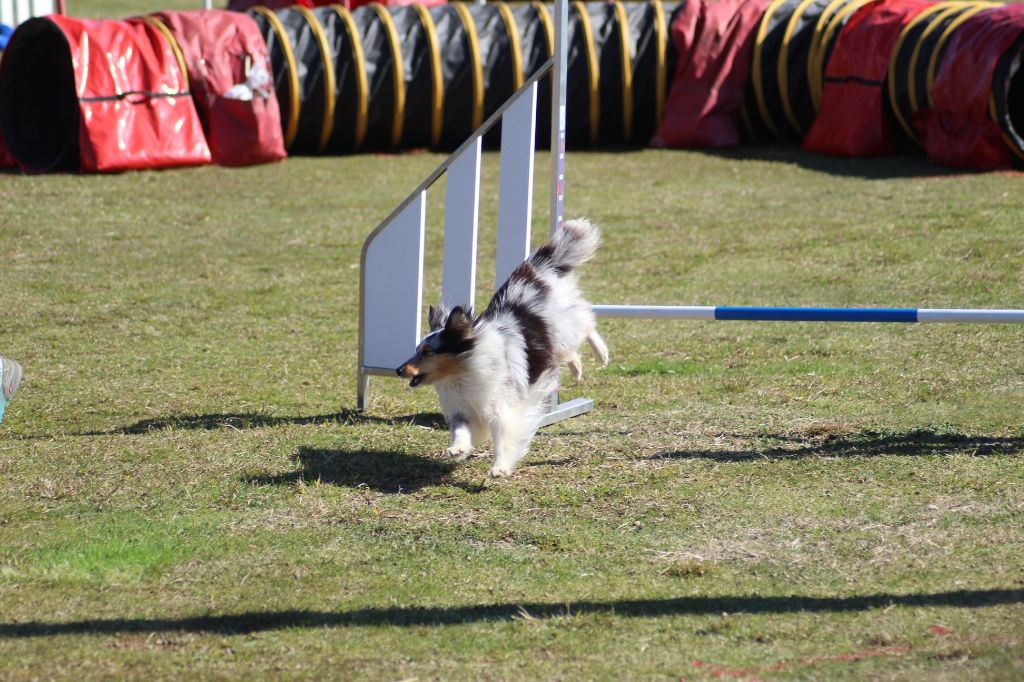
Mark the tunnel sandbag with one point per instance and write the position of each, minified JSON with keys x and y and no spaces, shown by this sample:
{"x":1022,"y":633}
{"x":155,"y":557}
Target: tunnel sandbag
{"x":715,"y":43}
{"x":230,"y":79}
{"x":962,"y":127}
{"x":97,"y":95}
{"x":853,"y":120}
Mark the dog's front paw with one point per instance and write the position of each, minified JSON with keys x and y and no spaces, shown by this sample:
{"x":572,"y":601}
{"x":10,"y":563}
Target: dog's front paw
{"x":459,"y":454}
{"x":499,"y":472}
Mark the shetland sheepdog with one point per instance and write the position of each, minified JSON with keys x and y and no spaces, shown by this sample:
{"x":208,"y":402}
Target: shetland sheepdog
{"x":493,"y":373}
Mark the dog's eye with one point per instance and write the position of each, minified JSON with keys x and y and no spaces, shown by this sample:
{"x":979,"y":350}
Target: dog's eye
{"x":426,"y":351}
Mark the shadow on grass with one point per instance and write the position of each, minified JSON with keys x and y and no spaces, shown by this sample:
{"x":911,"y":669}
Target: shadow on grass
{"x":908,"y":165}
{"x":910,"y":444}
{"x":256,"y":420}
{"x":383,"y":471}
{"x":872,"y":168}
{"x":259,"y":621}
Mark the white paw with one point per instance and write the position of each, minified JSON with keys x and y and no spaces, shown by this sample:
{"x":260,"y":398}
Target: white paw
{"x":459,"y":454}
{"x":499,"y":472}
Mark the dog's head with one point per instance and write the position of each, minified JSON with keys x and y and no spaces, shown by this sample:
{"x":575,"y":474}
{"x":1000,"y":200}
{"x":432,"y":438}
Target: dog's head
{"x":441,"y":353}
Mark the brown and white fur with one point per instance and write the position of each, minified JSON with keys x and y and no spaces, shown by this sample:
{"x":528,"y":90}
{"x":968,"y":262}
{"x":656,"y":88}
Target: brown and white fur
{"x":494,"y":372}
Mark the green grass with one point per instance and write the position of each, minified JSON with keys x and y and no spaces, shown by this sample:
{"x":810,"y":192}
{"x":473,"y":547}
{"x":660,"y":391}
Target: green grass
{"x":119,"y":9}
{"x":185,"y":488}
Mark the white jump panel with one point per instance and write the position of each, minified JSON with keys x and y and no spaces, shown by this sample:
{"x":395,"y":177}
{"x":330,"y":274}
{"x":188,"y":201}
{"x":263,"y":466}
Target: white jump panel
{"x":461,"y":216}
{"x":393,"y":288}
{"x":515,"y":198}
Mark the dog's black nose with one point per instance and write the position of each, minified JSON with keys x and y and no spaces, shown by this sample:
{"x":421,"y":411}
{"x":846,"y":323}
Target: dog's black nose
{"x":398,"y":371}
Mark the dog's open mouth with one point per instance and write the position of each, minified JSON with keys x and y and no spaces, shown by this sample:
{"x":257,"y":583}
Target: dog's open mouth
{"x":417,"y":380}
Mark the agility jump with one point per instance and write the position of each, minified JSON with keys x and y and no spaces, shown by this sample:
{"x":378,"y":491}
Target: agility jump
{"x":391,"y":277}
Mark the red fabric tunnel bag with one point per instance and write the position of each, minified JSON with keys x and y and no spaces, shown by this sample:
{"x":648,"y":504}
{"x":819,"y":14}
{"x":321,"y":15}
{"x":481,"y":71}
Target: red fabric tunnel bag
{"x":221,"y":49}
{"x":852,"y":120}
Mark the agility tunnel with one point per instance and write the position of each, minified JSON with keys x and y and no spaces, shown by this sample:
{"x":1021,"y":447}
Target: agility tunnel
{"x":381,"y":77}
{"x":148,"y":92}
{"x":844,"y":77}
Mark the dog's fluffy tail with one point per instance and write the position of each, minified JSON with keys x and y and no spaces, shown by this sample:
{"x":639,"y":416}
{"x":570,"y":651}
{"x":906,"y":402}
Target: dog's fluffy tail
{"x":572,"y":247}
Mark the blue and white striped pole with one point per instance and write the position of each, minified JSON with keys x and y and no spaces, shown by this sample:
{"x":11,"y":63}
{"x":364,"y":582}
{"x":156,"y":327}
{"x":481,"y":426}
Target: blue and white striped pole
{"x":787,"y":314}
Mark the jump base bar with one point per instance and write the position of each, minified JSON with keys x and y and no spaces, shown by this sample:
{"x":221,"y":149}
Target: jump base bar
{"x":784,"y":314}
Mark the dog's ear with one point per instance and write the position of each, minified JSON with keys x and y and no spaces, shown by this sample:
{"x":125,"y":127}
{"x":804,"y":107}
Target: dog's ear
{"x":436,"y":317}
{"x":459,"y":322}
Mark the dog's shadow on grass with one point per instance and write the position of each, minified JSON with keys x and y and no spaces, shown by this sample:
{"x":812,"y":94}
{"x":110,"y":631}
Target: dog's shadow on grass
{"x":255,"y":420}
{"x":920,"y":443}
{"x":383,"y":471}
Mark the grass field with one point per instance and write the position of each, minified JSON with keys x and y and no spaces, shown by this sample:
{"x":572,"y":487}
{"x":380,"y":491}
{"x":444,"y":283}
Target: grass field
{"x":118,"y":9}
{"x":186,"y":490}
{"x":185,"y":487}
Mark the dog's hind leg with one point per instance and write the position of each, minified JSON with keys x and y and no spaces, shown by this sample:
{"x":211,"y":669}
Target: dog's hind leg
{"x":598,"y":345}
{"x":575,"y":364}
{"x":462,"y":439}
